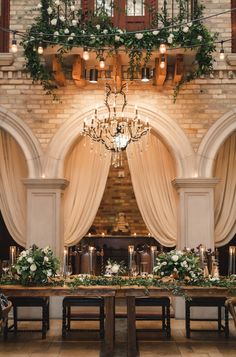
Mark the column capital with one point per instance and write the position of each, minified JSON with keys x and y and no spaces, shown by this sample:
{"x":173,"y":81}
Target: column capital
{"x":195,"y":182}
{"x":46,"y":183}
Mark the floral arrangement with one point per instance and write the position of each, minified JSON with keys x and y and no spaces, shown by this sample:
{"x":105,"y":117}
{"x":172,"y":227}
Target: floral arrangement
{"x":60,"y":23}
{"x":114,"y":268}
{"x":36,"y":265}
{"x":180,"y":265}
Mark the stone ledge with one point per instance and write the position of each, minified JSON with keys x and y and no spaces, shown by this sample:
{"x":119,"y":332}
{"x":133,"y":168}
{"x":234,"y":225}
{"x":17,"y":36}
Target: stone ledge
{"x":231,"y":59}
{"x":6,"y":59}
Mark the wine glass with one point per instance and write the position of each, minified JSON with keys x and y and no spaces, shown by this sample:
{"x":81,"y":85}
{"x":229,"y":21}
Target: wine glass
{"x":5,"y":267}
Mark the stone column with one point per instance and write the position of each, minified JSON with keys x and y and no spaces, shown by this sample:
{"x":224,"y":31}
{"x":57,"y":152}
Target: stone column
{"x":196,"y":212}
{"x":45,"y":214}
{"x":195,"y":222}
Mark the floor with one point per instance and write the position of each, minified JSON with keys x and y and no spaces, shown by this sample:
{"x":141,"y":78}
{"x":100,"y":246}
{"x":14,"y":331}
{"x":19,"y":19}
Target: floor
{"x":204,"y":344}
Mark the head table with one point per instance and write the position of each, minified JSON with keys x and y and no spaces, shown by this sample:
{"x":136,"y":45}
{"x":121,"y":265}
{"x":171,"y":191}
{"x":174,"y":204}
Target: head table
{"x":109,"y":293}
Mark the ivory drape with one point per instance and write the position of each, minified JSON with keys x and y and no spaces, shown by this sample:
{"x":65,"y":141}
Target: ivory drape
{"x":225,"y":192}
{"x":13,"y":169}
{"x":87,"y":172}
{"x":152,"y":170}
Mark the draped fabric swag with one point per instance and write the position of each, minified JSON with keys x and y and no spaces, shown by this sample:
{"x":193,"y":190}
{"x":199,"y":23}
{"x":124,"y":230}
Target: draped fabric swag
{"x":87,"y":172}
{"x":152,"y":170}
{"x":225,"y":193}
{"x":13,"y":169}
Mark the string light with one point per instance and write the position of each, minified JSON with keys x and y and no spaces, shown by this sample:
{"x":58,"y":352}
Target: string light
{"x":40,"y":48}
{"x":163,"y":62}
{"x":102,"y":63}
{"x":222,"y":51}
{"x":86,"y":54}
{"x":162,"y":48}
{"x":14,"y":48}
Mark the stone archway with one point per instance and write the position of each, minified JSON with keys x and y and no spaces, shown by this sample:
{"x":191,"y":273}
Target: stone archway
{"x":212,"y":141}
{"x":26,"y":140}
{"x":162,"y":124}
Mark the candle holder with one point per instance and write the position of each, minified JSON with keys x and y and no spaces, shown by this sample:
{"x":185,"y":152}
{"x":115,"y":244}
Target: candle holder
{"x":12,"y":255}
{"x":130,"y":257}
{"x":153,"y":250}
{"x":232,"y":254}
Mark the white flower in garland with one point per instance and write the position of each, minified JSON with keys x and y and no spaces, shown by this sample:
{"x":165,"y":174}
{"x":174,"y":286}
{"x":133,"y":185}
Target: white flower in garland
{"x":62,"y":18}
{"x":175,"y":258}
{"x":39,"y":6}
{"x":105,"y":31}
{"x":74,"y":22}
{"x":190,"y":24}
{"x":98,"y":27}
{"x":199,"y":38}
{"x":49,"y":10}
{"x":120,"y":31}
{"x":72,"y":8}
{"x":155,"y":32}
{"x":54,"y":22}
{"x":117,"y":38}
{"x":67,"y":31}
{"x":186,"y":29}
{"x":170,"y":40}
{"x":57,"y":2}
{"x":139,"y":36}
{"x":56,"y":33}
{"x":30,"y":260}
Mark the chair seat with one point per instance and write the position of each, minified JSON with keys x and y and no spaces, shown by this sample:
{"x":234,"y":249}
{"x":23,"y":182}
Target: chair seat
{"x":69,"y":314}
{"x":164,"y":316}
{"x":218,"y":302}
{"x":25,"y":301}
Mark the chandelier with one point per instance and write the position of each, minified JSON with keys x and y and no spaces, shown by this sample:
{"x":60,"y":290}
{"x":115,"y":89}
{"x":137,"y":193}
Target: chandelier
{"x":116,"y":130}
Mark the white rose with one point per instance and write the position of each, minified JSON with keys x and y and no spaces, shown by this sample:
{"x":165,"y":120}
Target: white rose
{"x":186,"y":29}
{"x":98,"y":27}
{"x":105,"y":31}
{"x":49,"y":272}
{"x":120,"y":31}
{"x":175,"y":258}
{"x":115,"y":268}
{"x":66,"y":31}
{"x":62,"y":18}
{"x":117,"y":38}
{"x":49,"y":10}
{"x":190,"y":24}
{"x":155,"y":33}
{"x":57,"y":2}
{"x":74,"y":22}
{"x":170,"y":40}
{"x":56,"y":33}
{"x":39,"y":6}
{"x":199,"y":38}
{"x":46,"y":259}
{"x":72,"y":8}
{"x":33,"y":267}
{"x":20,"y":258}
{"x":164,"y":263}
{"x":139,"y":36}
{"x":30,"y":260}
{"x":53,"y":22}
{"x":171,"y":35}
{"x":46,"y":249}
{"x":23,"y":254}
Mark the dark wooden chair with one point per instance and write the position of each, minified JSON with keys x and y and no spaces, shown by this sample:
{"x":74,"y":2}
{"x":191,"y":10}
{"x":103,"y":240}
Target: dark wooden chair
{"x":24,"y":301}
{"x":218,"y":302}
{"x":164,"y":317}
{"x":231,"y":304}
{"x":68,"y":315}
{"x":4,"y":318}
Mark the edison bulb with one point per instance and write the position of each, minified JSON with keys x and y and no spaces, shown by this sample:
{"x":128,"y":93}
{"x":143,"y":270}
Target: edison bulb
{"x":162,"y":48}
{"x":102,"y":64}
{"x":86,"y":55}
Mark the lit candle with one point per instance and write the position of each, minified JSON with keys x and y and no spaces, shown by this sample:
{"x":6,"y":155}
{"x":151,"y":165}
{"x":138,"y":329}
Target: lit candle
{"x":153,"y":256}
{"x":202,"y":253}
{"x":12,"y":254}
{"x":65,"y":260}
{"x":91,"y":249}
{"x":103,"y":234}
{"x":135,"y":234}
{"x":131,"y":251}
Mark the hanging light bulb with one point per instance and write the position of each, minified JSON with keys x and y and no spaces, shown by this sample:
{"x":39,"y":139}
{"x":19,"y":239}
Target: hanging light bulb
{"x":222,"y":51}
{"x":40,"y":48}
{"x":14,"y":48}
{"x":163,"y":62}
{"x":102,"y":63}
{"x":162,"y":48}
{"x":86,"y":54}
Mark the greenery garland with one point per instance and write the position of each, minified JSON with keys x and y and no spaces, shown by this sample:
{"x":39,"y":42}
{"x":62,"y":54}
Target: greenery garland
{"x":97,"y":32}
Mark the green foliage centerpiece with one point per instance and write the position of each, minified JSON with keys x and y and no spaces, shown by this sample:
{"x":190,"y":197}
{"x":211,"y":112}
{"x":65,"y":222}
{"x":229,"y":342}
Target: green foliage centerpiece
{"x":179,"y":265}
{"x":35,"y":266}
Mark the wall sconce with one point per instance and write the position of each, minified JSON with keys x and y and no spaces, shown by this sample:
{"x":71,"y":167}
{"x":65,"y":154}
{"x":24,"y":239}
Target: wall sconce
{"x":93,"y":75}
{"x":145,"y":74}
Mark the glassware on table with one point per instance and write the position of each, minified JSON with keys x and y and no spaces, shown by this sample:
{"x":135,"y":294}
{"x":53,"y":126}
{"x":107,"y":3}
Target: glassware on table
{"x":5,"y":267}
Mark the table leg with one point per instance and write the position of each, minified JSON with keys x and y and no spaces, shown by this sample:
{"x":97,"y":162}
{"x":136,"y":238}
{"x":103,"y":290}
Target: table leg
{"x":109,"y":325}
{"x":131,"y":327}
